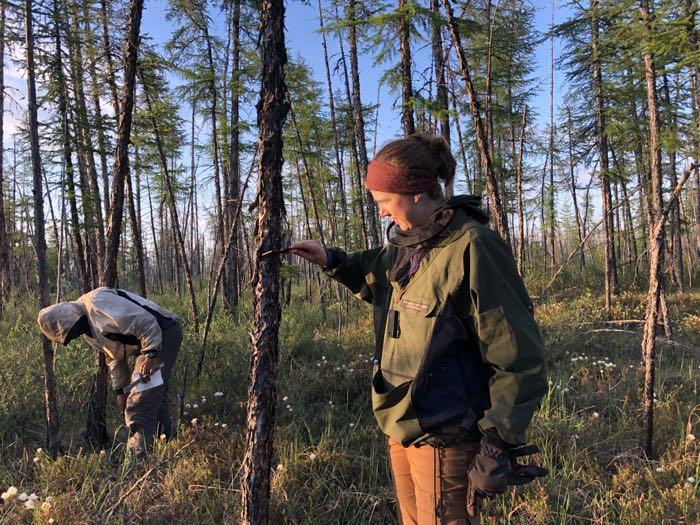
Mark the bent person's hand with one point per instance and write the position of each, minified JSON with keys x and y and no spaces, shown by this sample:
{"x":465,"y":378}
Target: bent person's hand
{"x":148,"y":368}
{"x":312,"y":251}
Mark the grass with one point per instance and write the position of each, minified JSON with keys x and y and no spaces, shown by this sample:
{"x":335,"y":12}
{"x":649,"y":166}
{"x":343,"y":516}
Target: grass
{"x":330,"y":461}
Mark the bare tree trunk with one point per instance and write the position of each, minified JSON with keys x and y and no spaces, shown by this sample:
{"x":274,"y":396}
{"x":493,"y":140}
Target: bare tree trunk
{"x":359,"y":123}
{"x":173,"y":206}
{"x":611,"y":281}
{"x":551,"y":212}
{"x":136,"y":233}
{"x":68,"y":155}
{"x":121,"y":163}
{"x":334,"y":128}
{"x":260,"y":418}
{"x":5,"y":272}
{"x":499,"y":216}
{"x":104,"y":11}
{"x":655,"y":243}
{"x":231,"y":294}
{"x":519,"y":193}
{"x":409,"y":126}
{"x":356,"y":181}
{"x":572,"y":181}
{"x":441,"y":93}
{"x":52,"y":437}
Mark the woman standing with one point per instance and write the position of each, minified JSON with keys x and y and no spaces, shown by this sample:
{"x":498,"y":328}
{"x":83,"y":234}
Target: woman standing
{"x":459,"y":367}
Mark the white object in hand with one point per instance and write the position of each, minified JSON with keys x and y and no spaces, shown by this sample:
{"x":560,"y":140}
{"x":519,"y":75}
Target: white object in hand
{"x":156,"y":380}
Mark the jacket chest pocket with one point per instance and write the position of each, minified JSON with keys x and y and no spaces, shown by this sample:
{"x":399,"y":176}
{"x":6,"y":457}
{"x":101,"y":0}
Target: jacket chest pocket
{"x":408,"y":332}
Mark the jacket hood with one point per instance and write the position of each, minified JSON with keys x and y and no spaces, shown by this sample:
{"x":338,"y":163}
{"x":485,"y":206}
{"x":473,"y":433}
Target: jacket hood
{"x":57,"y":320}
{"x":471,"y":204}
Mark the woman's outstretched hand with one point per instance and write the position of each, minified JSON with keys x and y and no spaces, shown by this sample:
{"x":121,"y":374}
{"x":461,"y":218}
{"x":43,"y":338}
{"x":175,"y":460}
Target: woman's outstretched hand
{"x":312,"y":251}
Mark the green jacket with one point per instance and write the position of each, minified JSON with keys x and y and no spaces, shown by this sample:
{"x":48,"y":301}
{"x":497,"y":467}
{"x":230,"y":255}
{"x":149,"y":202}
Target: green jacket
{"x":461,"y":346}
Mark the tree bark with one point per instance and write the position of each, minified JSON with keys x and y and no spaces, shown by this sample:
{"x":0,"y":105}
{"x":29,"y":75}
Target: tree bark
{"x":359,"y":123}
{"x":441,"y":97}
{"x":5,"y":273}
{"x":121,"y":163}
{"x":656,"y":240}
{"x":172,"y":205}
{"x":499,"y":215}
{"x":409,"y":126}
{"x":611,"y":281}
{"x":52,"y":437}
{"x":260,"y":417}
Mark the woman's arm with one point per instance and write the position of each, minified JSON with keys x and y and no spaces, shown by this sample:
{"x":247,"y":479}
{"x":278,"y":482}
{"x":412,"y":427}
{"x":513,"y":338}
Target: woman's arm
{"x":510,"y":339}
{"x":356,"y":270}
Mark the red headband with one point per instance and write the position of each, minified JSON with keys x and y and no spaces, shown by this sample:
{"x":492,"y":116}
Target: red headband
{"x":398,"y":179}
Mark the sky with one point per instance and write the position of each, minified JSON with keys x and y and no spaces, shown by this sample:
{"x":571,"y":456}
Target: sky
{"x":302,"y":39}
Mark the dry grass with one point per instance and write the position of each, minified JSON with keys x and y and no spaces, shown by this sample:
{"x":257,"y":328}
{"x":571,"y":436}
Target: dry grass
{"x":330,"y":464}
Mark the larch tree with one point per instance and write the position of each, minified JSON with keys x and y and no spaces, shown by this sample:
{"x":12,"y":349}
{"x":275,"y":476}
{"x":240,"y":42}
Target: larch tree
{"x":262,"y":394}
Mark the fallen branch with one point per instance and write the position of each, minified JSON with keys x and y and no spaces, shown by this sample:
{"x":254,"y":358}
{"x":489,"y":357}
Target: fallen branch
{"x":632,"y":332}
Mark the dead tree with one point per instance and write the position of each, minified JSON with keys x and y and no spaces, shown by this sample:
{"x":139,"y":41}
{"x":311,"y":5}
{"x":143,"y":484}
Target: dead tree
{"x":260,"y":418}
{"x":498,"y":211}
{"x":52,"y":438}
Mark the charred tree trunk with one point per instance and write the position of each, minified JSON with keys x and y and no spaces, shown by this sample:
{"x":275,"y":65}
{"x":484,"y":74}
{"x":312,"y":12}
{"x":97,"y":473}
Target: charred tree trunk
{"x":519,"y":193}
{"x":52,"y":438}
{"x":260,"y":419}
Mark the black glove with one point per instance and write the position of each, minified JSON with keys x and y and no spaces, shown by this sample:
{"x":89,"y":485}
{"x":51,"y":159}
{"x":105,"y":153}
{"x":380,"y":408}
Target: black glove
{"x":490,"y":472}
{"x":495,"y":467}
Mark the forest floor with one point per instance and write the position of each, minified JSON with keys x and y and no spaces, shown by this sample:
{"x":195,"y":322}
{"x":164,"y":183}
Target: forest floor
{"x":330,"y":461}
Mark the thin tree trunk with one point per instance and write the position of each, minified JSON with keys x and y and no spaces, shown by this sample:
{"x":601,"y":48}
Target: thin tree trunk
{"x":519,"y":193}
{"x":359,"y":123}
{"x":334,"y":129}
{"x":121,"y":163}
{"x":611,"y":281}
{"x":5,"y":271}
{"x":441,"y":97}
{"x":136,"y":234}
{"x":409,"y":126}
{"x":260,"y":417}
{"x":52,"y":437}
{"x":572,"y":181}
{"x":173,"y":206}
{"x":499,"y":216}
{"x":656,"y":241}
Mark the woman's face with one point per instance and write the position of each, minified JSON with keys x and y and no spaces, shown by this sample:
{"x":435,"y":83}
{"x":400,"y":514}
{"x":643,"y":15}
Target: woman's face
{"x":403,"y":209}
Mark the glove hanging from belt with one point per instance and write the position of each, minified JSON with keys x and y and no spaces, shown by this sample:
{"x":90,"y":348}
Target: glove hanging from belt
{"x":496,"y":466}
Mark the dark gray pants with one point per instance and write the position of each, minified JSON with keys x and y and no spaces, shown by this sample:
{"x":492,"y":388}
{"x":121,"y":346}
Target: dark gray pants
{"x":148,"y":412}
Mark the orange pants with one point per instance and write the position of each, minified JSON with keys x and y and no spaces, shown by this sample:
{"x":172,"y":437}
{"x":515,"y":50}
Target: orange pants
{"x":431,"y":483}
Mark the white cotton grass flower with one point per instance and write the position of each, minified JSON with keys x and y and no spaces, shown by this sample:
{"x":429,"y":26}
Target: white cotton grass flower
{"x":352,"y":425}
{"x":23,"y":497}
{"x":162,"y":436}
{"x":10,"y":493}
{"x":52,"y":521}
{"x":188,"y":405}
{"x":659,"y":469}
{"x":195,"y":406}
{"x":194,"y":421}
{"x":30,"y":504}
{"x":218,"y":394}
{"x":312,"y":456}
{"x":285,"y":398}
{"x":595,"y":415}
{"x":280,"y":466}
{"x":691,"y":480}
{"x":223,"y":425}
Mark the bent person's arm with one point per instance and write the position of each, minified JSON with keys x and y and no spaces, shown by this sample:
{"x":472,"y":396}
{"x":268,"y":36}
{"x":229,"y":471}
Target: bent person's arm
{"x":509,"y":338}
